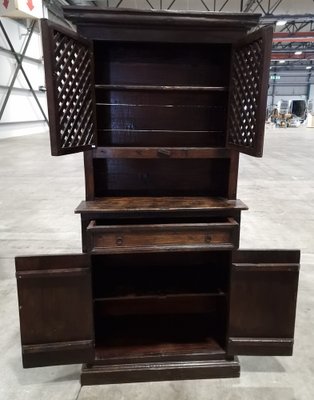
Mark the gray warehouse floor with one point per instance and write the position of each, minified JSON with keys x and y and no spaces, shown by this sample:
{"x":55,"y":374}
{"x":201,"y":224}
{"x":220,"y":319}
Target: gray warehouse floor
{"x":38,"y":196}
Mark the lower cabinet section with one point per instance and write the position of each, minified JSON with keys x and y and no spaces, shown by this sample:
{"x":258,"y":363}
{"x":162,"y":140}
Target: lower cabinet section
{"x":156,"y":316}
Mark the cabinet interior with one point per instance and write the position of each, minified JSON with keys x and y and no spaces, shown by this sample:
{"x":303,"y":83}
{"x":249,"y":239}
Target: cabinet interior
{"x":172,"y":95}
{"x":160,"y":299}
{"x":168,"y":177}
{"x":161,"y":94}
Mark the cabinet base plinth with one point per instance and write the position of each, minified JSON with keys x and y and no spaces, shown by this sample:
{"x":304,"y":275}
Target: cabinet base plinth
{"x":161,"y":371}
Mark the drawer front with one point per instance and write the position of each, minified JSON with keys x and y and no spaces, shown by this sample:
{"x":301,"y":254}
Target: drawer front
{"x":163,"y":237}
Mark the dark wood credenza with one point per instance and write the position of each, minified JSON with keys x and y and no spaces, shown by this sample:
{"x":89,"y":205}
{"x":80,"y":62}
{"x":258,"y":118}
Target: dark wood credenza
{"x":161,"y":104}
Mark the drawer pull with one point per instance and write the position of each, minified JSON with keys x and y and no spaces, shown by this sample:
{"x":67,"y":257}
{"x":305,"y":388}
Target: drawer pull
{"x":208,"y":238}
{"x":164,"y":153}
{"x":119,"y":241}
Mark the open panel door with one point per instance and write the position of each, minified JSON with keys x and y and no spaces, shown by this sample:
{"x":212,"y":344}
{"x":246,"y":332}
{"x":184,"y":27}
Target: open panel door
{"x":262,"y":302}
{"x":248,"y":92}
{"x":69,"y":71}
{"x":55,"y":305}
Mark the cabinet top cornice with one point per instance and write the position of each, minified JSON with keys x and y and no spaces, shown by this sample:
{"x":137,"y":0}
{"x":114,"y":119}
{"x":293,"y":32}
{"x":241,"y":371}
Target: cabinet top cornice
{"x":83,"y":14}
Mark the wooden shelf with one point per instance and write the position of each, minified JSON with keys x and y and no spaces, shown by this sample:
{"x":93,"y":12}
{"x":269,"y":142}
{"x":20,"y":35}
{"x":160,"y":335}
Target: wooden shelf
{"x":125,"y":205}
{"x":161,"y":152}
{"x":163,"y":88}
{"x":109,"y":352}
{"x":158,"y":304}
{"x":163,"y":249}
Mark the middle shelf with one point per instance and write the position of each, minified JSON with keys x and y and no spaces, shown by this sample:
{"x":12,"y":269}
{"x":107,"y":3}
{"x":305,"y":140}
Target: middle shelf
{"x":134,"y":205}
{"x":184,"y":303}
{"x":161,"y":152}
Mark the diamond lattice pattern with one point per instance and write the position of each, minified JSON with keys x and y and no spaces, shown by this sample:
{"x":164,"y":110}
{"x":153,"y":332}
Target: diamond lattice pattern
{"x":73,"y":70}
{"x":244,"y":97}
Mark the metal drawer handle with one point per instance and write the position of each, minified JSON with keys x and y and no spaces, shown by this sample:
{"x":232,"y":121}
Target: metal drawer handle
{"x":163,"y":152}
{"x":119,"y":241}
{"x":208,"y":238}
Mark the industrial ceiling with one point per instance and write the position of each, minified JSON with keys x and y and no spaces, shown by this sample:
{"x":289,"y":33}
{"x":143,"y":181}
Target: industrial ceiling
{"x":293,"y":44}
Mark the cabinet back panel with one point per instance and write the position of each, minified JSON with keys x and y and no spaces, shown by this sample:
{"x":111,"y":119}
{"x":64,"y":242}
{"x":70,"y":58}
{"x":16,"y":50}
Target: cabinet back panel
{"x":172,"y":117}
{"x":161,"y":138}
{"x":170,"y":259}
{"x":167,"y":177}
{"x":189,"y":272}
{"x":162,"y":97}
{"x":157,"y":117}
{"x":162,"y":64}
{"x":153,"y":118}
{"x":157,"y":329}
{"x":163,"y":279}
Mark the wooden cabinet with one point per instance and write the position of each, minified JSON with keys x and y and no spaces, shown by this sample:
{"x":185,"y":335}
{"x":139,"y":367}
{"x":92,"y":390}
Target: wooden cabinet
{"x":161,"y":103}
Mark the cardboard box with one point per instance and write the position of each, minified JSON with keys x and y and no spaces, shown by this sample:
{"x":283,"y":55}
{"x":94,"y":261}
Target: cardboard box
{"x":21,"y":8}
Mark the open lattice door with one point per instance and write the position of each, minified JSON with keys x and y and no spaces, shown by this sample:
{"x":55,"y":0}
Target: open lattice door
{"x":248,"y":92}
{"x":69,"y":70}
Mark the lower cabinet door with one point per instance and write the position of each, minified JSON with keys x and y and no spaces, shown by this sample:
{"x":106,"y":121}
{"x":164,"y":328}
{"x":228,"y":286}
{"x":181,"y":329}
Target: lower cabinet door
{"x":55,"y":306}
{"x":263,"y":294}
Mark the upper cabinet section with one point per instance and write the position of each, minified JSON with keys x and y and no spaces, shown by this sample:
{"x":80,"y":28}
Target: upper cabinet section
{"x":162,"y":79}
{"x":248,"y":92}
{"x":69,"y":70}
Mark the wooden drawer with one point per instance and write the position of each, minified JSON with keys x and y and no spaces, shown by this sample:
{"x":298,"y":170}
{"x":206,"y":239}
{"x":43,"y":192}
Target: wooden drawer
{"x":222,"y":235}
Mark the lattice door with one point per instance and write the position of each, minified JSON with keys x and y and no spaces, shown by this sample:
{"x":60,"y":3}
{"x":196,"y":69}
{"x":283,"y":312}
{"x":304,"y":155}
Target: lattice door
{"x":248,"y":92}
{"x":69,"y":71}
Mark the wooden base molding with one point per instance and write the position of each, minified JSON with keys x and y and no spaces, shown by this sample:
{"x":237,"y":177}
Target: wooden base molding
{"x":159,"y":371}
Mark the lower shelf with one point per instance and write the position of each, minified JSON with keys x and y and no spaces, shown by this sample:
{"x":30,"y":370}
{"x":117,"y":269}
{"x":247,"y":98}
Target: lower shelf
{"x":110,"y":352}
{"x":159,"y":371}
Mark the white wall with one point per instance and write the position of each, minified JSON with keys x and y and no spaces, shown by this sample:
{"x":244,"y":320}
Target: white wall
{"x":311,"y":96}
{"x":291,"y":85}
{"x":22,"y":115}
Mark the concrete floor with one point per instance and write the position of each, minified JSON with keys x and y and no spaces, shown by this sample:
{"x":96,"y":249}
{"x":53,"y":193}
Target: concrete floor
{"x":38,"y":196}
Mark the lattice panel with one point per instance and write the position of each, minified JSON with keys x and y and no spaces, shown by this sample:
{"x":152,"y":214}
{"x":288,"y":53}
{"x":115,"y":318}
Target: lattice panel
{"x":74,"y":90}
{"x":69,"y":73}
{"x":245,"y":96}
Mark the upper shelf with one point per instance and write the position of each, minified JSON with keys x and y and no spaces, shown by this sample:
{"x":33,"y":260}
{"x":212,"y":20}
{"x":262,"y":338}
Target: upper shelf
{"x":161,"y":152}
{"x":164,"y":88}
{"x":158,"y":204}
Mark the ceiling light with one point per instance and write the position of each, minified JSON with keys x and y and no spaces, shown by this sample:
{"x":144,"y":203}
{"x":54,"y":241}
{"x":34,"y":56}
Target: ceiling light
{"x":309,"y":67}
{"x":282,"y":61}
{"x":281,"y":23}
{"x":298,"y":53}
